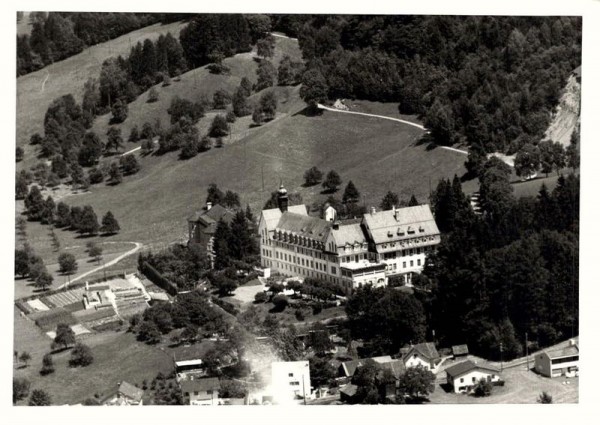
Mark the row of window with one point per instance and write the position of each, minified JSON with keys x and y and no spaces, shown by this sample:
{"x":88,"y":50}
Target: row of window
{"x":406,"y":252}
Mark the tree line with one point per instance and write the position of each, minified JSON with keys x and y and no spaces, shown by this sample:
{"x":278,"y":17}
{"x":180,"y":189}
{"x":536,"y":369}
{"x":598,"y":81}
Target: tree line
{"x":510,"y":271}
{"x":58,"y":35}
{"x":489,"y":82}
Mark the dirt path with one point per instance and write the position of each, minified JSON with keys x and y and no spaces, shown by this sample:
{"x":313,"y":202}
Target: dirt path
{"x":110,"y":263}
{"x":283,"y":36}
{"x":44,"y":82}
{"x":327,"y":108}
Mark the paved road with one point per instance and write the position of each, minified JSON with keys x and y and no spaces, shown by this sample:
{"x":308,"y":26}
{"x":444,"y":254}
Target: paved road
{"x":110,"y":263}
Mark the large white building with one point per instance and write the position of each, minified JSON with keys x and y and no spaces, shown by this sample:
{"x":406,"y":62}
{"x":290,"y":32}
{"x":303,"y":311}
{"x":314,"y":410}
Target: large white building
{"x":290,"y":381}
{"x":352,"y":253}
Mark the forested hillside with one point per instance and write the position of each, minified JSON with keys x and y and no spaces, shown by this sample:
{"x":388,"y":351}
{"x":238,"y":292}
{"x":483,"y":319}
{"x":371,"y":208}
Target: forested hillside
{"x":58,"y":35}
{"x":490,"y":82}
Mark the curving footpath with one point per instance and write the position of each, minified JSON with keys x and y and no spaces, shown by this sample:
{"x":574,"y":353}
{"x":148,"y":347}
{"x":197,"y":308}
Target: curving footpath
{"x":419,"y":126}
{"x":110,"y":263}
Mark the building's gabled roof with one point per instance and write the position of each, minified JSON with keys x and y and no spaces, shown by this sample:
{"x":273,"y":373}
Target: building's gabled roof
{"x":273,"y":215}
{"x":304,"y":225}
{"x":571,"y":350}
{"x":213,"y":215}
{"x":349,"y":390}
{"x":201,"y":384}
{"x":395,"y":366}
{"x":404,"y":223}
{"x":130,"y":391}
{"x":350,"y":366}
{"x":460,"y":350}
{"x":461,"y":368}
{"x":348,"y":234}
{"x":425,"y":349}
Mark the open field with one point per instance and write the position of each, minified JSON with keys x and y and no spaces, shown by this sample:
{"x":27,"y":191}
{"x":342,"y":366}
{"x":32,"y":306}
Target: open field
{"x":152,"y":206}
{"x":388,"y":109}
{"x":35,"y":91}
{"x":136,"y":361}
{"x":38,"y":236}
{"x":521,"y":386}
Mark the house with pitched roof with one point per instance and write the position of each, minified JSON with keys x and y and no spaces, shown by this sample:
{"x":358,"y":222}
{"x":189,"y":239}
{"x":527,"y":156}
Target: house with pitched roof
{"x":349,"y":253}
{"x":423,"y":354}
{"x":127,"y":395}
{"x":463,"y":376}
{"x":200,"y":391}
{"x":348,"y":369}
{"x":203,"y":224}
{"x":559,"y":362}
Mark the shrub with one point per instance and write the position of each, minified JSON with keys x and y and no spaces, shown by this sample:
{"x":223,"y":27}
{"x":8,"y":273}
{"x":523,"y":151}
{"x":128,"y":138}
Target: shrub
{"x":483,"y":388}
{"x":230,"y":117}
{"x":260,"y":297}
{"x":280,"y":302}
{"x":152,"y":95}
{"x":81,"y":356}
{"x":544,"y":398}
{"x":299,"y":314}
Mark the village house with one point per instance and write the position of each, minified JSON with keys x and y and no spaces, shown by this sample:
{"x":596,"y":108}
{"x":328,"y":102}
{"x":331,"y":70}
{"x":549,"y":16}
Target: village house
{"x":423,"y":354}
{"x":349,"y":253}
{"x":462,"y":377}
{"x":203,"y":224}
{"x":127,"y":395}
{"x":348,"y":369}
{"x":200,"y":391}
{"x":559,"y":362}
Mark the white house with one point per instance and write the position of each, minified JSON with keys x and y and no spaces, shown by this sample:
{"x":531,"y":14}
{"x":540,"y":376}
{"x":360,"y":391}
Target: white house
{"x":423,"y":354}
{"x":563,"y":361}
{"x":290,"y":381}
{"x":200,"y":391}
{"x":465,"y":375}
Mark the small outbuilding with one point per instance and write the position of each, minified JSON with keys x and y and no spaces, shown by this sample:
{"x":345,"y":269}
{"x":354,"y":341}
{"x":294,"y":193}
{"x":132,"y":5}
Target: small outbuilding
{"x":460,"y":350}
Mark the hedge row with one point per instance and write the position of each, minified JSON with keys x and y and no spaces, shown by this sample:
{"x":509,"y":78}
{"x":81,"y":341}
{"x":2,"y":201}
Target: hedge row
{"x":158,"y":279}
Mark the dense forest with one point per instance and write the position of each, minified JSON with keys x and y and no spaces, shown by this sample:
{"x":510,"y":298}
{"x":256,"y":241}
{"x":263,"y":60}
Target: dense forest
{"x":58,"y":35}
{"x":490,"y":82}
{"x":510,"y":271}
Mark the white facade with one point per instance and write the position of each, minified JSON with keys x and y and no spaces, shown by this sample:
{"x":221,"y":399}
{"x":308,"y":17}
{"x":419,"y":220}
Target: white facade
{"x":564,"y":362}
{"x":417,"y":359}
{"x":351,"y":255}
{"x":290,"y":382}
{"x":469,"y":379}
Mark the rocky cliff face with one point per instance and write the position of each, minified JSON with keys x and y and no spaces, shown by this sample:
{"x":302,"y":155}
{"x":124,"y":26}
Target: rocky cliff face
{"x":566,"y":116}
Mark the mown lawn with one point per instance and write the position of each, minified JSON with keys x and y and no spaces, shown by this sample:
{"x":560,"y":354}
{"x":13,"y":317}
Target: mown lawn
{"x":117,"y":357}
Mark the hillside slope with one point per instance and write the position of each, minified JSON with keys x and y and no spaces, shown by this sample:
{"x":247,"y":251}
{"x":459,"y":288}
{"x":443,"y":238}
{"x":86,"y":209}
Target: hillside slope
{"x":35,"y":91}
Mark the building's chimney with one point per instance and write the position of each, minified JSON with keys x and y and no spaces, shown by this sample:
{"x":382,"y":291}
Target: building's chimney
{"x":208,"y":206}
{"x":373,"y":210}
{"x":571,"y":342}
{"x":282,"y":198}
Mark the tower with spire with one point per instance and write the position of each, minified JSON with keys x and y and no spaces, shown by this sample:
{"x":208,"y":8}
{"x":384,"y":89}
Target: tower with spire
{"x":282,"y":198}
